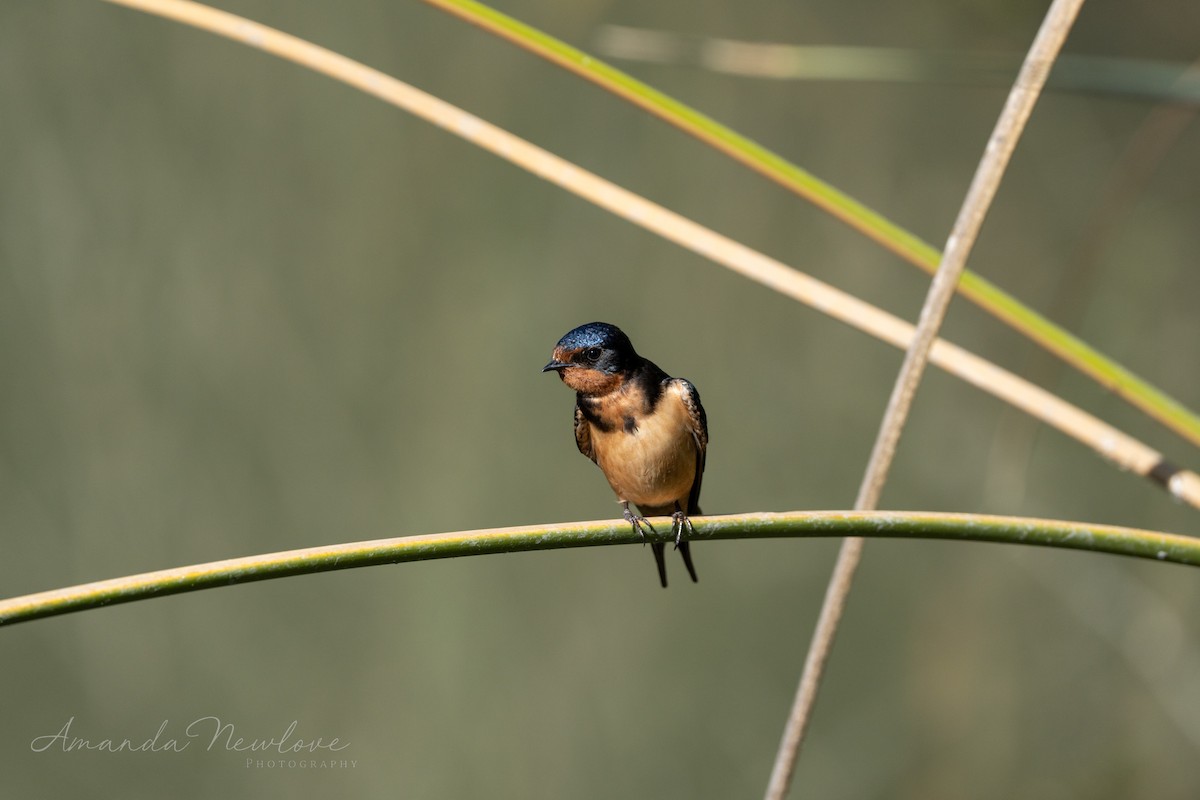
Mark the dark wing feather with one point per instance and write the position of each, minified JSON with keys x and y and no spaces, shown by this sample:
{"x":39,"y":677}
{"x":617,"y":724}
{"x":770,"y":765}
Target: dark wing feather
{"x":698,"y":425}
{"x":583,"y":434}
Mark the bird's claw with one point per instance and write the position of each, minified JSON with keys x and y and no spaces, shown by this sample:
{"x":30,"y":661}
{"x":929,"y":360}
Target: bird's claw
{"x":637,"y":522}
{"x":679,"y":522}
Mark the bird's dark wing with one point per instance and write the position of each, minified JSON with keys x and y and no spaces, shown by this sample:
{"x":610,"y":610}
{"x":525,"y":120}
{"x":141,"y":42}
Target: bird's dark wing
{"x":698,"y":426}
{"x":583,"y":434}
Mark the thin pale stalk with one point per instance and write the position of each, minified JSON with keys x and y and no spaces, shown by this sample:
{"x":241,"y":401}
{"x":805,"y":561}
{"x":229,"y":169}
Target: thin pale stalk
{"x":1000,"y":146}
{"x":1142,"y":79}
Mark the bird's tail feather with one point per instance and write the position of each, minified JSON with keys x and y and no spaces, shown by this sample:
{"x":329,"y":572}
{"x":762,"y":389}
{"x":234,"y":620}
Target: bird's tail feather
{"x":685,"y":550}
{"x":660,"y":558}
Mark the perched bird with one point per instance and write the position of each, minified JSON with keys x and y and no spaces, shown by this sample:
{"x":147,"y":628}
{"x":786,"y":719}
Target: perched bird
{"x":645,"y":430}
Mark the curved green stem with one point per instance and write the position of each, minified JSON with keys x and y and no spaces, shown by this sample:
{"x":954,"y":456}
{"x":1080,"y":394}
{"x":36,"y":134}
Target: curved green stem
{"x":812,"y":524}
{"x":875,"y":226}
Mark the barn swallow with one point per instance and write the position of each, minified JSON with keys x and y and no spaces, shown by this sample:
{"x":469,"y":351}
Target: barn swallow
{"x":645,"y":430}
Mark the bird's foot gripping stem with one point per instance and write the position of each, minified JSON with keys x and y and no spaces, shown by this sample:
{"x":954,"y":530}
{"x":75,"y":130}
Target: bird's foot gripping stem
{"x":680,"y":523}
{"x":636,"y":520}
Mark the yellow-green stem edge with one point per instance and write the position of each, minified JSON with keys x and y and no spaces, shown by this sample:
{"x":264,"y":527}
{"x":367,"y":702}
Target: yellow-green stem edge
{"x":995,"y":301}
{"x":1167,"y":547}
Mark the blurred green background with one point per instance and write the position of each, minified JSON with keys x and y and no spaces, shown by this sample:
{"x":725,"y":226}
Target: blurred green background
{"x":246,"y":309}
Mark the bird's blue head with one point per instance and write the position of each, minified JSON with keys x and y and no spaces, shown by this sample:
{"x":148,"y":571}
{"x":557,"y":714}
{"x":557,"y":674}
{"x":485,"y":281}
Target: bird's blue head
{"x":592,"y":357}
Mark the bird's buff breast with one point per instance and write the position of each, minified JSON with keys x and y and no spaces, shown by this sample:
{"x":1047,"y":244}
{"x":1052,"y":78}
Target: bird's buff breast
{"x":655,"y":464}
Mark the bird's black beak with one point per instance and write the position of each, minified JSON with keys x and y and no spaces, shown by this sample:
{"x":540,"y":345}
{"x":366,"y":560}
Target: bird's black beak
{"x":555,"y":365}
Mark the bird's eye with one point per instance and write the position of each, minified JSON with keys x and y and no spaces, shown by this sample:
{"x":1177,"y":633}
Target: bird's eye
{"x":592,"y":354}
